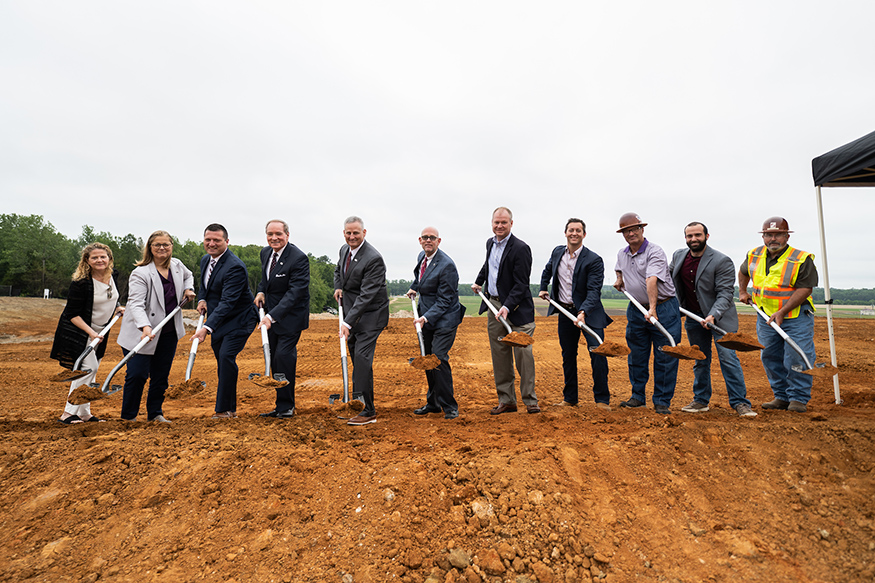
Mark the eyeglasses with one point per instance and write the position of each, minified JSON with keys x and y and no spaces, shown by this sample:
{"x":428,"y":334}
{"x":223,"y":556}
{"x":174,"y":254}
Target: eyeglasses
{"x":428,"y":237}
{"x":162,"y":245}
{"x":773,"y":235}
{"x":631,"y":230}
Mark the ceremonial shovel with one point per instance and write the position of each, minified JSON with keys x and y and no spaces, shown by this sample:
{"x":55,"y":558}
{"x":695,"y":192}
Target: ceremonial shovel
{"x":83,"y":395}
{"x":266,"y":381}
{"x":680,"y":352}
{"x":819,"y":369}
{"x":189,"y":386}
{"x":605,"y":348}
{"x":344,"y":365}
{"x":422,"y":362}
{"x":512,"y":338}
{"x":74,"y":374}
{"x":732,"y":340}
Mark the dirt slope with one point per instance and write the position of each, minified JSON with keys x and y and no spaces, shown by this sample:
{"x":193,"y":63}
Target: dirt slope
{"x":571,"y":494}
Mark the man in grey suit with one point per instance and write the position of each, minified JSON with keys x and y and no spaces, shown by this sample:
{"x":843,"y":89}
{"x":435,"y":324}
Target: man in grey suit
{"x":440,"y":313}
{"x":705,"y":282}
{"x":360,"y":284}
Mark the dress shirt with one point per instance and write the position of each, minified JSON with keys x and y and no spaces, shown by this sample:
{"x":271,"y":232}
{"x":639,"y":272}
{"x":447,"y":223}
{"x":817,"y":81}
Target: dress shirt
{"x":564,"y":274}
{"x":494,"y":263}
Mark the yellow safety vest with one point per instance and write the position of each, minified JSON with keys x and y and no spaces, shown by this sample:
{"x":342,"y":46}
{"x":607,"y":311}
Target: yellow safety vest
{"x":772,"y":290}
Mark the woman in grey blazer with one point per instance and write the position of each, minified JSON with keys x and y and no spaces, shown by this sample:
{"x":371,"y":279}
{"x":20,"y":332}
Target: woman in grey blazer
{"x":156,"y":287}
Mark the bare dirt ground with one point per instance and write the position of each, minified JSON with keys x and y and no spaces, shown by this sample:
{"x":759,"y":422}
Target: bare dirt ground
{"x":571,"y":494}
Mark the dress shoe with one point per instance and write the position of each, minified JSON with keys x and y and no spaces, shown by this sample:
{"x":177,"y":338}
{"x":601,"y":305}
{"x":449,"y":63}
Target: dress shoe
{"x":505,"y":408}
{"x":451,"y":415}
{"x":425,"y":410}
{"x":777,"y":404}
{"x":662,"y":409}
{"x":287,"y":414}
{"x":797,"y":406}
{"x":226,"y":415}
{"x":362,"y":419}
{"x":271,"y":414}
{"x":533,"y":409}
{"x":604,"y":406}
{"x":632,"y":403}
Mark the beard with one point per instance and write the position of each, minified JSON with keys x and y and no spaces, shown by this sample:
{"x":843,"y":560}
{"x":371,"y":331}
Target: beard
{"x":696,"y":246}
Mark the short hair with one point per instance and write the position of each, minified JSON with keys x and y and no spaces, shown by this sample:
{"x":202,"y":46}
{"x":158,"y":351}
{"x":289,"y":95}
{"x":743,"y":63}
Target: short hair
{"x":694,"y":223}
{"x":505,"y":209}
{"x":573,"y":220}
{"x":284,"y":224}
{"x":436,"y":232}
{"x":217,"y":227}
{"x":83,"y":270}
{"x":148,"y":257}
{"x":354,"y":219}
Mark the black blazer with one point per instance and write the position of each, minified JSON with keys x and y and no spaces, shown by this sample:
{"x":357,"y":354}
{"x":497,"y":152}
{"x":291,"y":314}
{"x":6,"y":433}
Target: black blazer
{"x":514,"y":273}
{"x":287,"y":291}
{"x":365,"y":297}
{"x":230,"y":305}
{"x":586,"y":285}
{"x":69,"y":340}
{"x":438,"y":291}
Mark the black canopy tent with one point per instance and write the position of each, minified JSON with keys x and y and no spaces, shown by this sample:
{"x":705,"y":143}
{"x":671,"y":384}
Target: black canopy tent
{"x":850,"y":165}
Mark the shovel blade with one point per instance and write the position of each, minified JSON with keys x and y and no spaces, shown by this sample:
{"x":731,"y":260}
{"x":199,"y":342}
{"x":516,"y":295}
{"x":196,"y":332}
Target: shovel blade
{"x":70,"y":375}
{"x":819,"y":370}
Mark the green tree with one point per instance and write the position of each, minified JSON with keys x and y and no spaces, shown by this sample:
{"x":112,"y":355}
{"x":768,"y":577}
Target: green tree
{"x":34,"y":256}
{"x":321,"y":283}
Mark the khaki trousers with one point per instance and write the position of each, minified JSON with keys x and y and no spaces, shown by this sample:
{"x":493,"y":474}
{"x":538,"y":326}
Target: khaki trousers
{"x":503,"y":358}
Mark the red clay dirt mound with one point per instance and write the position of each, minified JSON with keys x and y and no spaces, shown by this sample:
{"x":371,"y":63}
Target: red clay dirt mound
{"x":570,"y":494}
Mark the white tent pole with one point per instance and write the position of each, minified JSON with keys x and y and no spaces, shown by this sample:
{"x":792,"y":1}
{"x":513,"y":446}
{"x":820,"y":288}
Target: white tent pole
{"x":826,"y":296}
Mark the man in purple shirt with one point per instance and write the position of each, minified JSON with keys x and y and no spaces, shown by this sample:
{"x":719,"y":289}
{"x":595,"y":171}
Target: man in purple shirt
{"x":642,"y":270}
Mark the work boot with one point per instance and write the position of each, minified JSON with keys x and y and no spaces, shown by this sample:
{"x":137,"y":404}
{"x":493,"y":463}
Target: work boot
{"x":797,"y":407}
{"x":777,"y":404}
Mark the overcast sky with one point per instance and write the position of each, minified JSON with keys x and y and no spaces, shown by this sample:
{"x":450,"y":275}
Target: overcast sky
{"x":132,"y":117}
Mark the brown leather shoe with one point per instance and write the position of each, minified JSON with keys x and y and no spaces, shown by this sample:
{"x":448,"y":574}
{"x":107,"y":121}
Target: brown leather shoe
{"x":503,"y":408}
{"x":533,"y":409}
{"x":362,"y":419}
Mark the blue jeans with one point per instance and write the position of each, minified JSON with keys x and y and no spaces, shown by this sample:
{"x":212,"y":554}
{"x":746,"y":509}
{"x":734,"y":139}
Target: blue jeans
{"x":730,"y":366}
{"x":640,"y":336}
{"x":778,"y":356}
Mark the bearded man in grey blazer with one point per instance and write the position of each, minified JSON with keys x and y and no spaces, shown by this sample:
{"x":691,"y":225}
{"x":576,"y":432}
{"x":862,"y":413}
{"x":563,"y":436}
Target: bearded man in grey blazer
{"x":704,"y":280}
{"x":360,"y":287}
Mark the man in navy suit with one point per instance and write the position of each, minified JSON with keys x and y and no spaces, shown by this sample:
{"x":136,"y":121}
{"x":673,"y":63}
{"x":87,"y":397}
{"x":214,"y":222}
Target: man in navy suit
{"x":578,"y":275}
{"x":440,"y":313}
{"x":360,"y":284}
{"x":225,"y":298}
{"x":284,"y":292}
{"x":504,"y":278}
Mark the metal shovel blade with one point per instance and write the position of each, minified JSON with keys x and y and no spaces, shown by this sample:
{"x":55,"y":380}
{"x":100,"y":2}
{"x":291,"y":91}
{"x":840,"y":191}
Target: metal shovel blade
{"x":820,"y":369}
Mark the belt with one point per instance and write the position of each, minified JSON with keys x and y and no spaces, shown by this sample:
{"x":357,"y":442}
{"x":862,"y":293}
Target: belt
{"x":659,"y":302}
{"x":491,"y":297}
{"x":569,"y":307}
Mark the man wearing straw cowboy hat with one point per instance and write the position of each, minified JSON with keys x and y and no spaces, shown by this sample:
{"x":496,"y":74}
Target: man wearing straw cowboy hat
{"x":705,"y":282}
{"x":642,"y":271}
{"x":440,"y":313}
{"x":783,"y":278}
{"x":578,"y":274}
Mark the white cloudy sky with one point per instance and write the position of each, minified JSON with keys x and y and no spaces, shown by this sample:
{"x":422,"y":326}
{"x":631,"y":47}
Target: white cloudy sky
{"x":132,"y":117}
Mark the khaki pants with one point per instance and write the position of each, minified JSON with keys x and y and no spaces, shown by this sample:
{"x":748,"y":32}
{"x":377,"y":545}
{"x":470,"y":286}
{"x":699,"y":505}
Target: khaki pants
{"x":503,"y":357}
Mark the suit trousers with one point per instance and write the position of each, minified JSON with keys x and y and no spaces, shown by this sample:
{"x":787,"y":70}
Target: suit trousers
{"x":226,"y":350}
{"x":362,"y":345}
{"x":503,"y":358}
{"x":284,"y":359}
{"x":152,"y":367}
{"x":569,"y":339}
{"x":438,"y":341}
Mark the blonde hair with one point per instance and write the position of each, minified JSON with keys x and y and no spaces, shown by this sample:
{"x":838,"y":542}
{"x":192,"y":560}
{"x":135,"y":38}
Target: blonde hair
{"x":83,"y":270}
{"x":147,"y":248}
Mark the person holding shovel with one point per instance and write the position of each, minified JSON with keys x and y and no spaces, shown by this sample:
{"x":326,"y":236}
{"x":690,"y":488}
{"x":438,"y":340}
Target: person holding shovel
{"x":783,"y":278}
{"x":436,"y":279}
{"x":578,"y":274}
{"x":155,"y":288}
{"x":360,"y":287}
{"x":504,"y":278}
{"x":91,"y":303}
{"x":284,"y":292}
{"x":705,"y":282}
{"x":642,"y":270}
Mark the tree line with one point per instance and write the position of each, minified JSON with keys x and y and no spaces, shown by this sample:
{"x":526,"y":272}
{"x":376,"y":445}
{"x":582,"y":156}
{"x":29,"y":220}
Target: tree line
{"x":34,"y":256}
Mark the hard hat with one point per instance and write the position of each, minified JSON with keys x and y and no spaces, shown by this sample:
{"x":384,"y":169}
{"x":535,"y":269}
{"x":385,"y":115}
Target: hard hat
{"x":630,"y":220}
{"x":776,"y":225}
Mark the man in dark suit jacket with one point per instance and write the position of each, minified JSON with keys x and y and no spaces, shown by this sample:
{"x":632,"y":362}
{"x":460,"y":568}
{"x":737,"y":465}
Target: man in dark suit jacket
{"x":284,"y":292}
{"x":440,"y":313}
{"x":225,"y":298}
{"x":504,"y":278}
{"x":578,"y":275}
{"x":360,"y":284}
{"x":704,"y":280}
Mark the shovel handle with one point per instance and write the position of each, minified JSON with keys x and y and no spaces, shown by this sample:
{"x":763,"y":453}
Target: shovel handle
{"x":701,"y":320}
{"x":581,"y":325}
{"x":93,"y":344}
{"x":652,"y":320}
{"x":494,"y":311}
{"x":192,"y":354}
{"x":344,"y":365}
{"x":417,"y":326}
{"x":783,"y":335}
{"x":265,"y":344}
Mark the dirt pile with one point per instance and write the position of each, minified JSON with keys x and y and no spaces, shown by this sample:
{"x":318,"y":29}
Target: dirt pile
{"x":570,"y":494}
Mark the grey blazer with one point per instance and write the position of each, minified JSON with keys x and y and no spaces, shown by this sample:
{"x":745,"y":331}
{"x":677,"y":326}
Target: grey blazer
{"x":146,"y":304}
{"x":715,"y":286}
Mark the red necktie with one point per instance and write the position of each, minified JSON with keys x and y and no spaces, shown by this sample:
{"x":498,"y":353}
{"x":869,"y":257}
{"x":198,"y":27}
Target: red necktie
{"x":346,"y":267}
{"x":422,"y":270}
{"x":272,"y":264}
